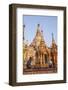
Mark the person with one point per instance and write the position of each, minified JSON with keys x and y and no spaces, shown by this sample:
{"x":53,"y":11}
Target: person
{"x":29,"y":63}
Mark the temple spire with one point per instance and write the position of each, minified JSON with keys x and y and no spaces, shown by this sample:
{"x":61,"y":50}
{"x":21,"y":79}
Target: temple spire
{"x":38,"y":30}
{"x":38,"y":27}
{"x":23,"y":32}
{"x":53,"y":41}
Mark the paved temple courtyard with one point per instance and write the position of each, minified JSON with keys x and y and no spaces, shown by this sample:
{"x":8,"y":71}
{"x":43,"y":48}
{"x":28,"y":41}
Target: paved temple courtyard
{"x":40,"y":71}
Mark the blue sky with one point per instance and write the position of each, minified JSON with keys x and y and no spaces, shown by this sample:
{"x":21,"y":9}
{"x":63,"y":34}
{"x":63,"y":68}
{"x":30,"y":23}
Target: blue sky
{"x":47,"y":23}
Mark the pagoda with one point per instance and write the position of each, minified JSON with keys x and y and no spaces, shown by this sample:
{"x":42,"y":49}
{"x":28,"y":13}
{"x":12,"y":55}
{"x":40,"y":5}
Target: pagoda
{"x":39,"y":52}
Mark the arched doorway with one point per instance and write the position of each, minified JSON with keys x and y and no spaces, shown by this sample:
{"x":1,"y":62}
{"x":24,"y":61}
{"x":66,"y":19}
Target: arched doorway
{"x":46,"y":58}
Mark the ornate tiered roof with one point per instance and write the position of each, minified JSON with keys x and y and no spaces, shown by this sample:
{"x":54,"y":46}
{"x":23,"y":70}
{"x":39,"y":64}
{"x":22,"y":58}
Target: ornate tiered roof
{"x":38,"y":38}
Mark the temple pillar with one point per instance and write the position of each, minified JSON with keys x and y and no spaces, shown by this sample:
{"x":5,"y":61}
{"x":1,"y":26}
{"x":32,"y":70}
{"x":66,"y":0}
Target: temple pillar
{"x":41,"y":59}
